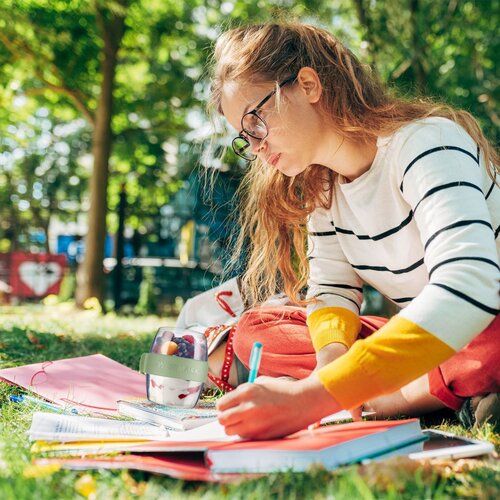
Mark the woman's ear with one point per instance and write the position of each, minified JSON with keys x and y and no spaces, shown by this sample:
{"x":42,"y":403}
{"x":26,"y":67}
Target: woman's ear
{"x":309,"y":82}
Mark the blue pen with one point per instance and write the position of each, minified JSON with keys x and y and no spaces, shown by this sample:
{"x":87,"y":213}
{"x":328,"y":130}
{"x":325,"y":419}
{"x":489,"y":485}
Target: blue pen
{"x":254,"y":364}
{"x":43,"y":404}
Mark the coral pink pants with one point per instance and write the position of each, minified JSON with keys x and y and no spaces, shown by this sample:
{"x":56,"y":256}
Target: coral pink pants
{"x":473,"y":371}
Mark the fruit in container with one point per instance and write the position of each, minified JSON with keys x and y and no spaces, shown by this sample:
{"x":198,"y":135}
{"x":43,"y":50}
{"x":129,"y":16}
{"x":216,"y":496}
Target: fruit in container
{"x":169,"y":348}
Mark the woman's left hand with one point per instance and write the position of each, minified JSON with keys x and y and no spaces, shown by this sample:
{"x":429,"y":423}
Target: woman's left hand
{"x":272,"y":407}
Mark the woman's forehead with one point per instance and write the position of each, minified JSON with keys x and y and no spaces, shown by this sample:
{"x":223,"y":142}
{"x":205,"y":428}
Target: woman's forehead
{"x":238,"y":98}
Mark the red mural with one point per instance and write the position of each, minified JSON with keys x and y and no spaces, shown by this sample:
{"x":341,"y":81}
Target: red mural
{"x":34,"y":275}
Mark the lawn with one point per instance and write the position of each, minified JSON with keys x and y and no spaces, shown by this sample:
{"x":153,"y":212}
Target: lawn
{"x":30,"y":334}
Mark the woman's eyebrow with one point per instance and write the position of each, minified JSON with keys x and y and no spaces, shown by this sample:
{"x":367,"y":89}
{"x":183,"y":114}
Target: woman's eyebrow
{"x":245,"y":110}
{"x":258,"y":105}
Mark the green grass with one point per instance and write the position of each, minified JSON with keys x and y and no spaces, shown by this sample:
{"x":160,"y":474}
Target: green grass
{"x":32,"y":334}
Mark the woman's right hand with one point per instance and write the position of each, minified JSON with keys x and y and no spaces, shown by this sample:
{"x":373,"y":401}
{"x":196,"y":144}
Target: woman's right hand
{"x":327,"y":355}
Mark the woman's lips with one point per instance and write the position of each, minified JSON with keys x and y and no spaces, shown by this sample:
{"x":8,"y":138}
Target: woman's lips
{"x":274,"y":159}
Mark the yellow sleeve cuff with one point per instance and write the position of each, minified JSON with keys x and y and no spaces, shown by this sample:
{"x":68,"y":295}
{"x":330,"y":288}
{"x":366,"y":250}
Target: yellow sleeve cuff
{"x":392,"y":357}
{"x":333,"y":324}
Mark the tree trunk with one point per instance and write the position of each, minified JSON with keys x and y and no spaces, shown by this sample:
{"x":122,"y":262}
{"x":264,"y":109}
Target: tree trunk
{"x":418,"y":48}
{"x":90,"y":276}
{"x":362,"y":11}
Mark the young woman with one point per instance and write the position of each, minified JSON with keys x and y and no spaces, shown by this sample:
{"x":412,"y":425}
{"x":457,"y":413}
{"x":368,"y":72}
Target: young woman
{"x":395,"y":193}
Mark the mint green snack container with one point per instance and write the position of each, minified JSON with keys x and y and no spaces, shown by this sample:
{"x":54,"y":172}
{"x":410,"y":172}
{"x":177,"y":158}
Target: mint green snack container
{"x":176,"y":367}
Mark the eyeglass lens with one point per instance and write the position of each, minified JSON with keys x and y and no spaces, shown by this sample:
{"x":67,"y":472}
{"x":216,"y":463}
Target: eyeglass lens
{"x":254,"y":126}
{"x":241,"y":147}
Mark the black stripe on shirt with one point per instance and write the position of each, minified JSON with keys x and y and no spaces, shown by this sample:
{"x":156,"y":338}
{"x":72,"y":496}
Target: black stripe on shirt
{"x":338,"y":295}
{"x":402,"y":299}
{"x":453,"y":226}
{"x":470,"y":300}
{"x":393,"y":271}
{"x":454,"y":259}
{"x":349,"y":287}
{"x":446,"y":186}
{"x":380,"y":236}
{"x":497,"y":231}
{"x":323,"y":233}
{"x":435,"y":150}
{"x":493,"y":184}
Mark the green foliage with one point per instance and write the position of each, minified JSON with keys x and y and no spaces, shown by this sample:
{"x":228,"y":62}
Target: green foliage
{"x":51,"y":54}
{"x":68,"y":286}
{"x":147,"y":302}
{"x":42,"y":174}
{"x":446,"y":50}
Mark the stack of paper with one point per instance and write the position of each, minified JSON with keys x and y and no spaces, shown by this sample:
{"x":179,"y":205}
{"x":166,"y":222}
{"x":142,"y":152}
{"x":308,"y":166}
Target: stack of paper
{"x":226,"y":459}
{"x":64,"y":428}
{"x":329,"y":446}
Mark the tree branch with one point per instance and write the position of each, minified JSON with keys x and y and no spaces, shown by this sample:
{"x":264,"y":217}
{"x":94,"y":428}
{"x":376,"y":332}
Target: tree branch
{"x":75,"y":95}
{"x":72,"y":94}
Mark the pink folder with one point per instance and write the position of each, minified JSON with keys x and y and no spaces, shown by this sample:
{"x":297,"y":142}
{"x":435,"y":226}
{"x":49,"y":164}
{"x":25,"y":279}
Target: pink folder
{"x":91,"y":384}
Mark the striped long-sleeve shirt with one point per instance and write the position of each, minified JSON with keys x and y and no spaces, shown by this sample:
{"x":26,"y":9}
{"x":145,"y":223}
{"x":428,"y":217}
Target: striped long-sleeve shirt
{"x":421,"y":226}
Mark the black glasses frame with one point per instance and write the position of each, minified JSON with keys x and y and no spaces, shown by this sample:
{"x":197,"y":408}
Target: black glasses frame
{"x":254,"y":112}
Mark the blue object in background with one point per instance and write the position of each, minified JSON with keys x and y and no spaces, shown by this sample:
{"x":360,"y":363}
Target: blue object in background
{"x":73,"y":247}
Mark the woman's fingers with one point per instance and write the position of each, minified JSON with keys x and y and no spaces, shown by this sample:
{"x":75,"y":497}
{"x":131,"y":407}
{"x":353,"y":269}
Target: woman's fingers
{"x":356,"y":414}
{"x":234,"y":398}
{"x":248,"y":428}
{"x":237,"y":413}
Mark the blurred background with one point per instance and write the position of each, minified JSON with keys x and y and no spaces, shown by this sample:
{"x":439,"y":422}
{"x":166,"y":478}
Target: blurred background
{"x":103,"y":131}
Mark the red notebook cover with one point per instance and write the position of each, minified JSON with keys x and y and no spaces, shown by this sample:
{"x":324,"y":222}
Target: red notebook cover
{"x":318,"y":439}
{"x":305,"y":440}
{"x":330,"y":447}
{"x":186,"y":466}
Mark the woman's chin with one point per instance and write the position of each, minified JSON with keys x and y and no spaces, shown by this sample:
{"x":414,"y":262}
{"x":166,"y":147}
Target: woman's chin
{"x":290,"y":170}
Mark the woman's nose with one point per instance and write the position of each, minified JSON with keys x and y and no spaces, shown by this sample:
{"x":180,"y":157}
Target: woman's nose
{"x":257,"y":145}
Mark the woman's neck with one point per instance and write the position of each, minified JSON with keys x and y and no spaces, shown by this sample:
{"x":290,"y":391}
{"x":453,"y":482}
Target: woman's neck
{"x":348,"y":158}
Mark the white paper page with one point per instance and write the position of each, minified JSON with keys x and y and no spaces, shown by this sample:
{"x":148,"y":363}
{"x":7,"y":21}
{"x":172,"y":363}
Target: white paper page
{"x":342,"y":415}
{"x":212,"y":431}
{"x":60,"y":427}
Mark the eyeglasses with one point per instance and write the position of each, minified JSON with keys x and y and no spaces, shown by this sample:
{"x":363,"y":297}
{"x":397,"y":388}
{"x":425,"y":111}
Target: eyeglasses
{"x":252,"y":125}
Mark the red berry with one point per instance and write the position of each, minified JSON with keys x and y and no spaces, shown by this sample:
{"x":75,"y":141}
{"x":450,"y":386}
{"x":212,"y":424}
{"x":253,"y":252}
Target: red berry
{"x":189,"y":338}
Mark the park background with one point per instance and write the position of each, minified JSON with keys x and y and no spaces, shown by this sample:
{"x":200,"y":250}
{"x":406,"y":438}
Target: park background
{"x":104,"y":133}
